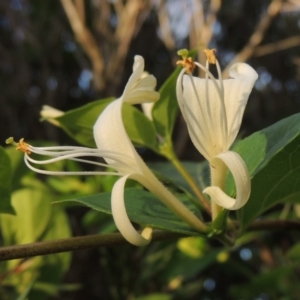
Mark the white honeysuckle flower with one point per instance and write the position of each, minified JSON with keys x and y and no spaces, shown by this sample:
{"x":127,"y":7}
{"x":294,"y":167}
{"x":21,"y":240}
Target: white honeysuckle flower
{"x":49,"y":113}
{"x":115,"y":147}
{"x":213,"y":110}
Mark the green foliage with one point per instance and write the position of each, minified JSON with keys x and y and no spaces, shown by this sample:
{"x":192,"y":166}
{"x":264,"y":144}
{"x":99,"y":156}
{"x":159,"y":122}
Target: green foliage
{"x":272,"y":156}
{"x":198,"y":170}
{"x":78,"y":123}
{"x":165,"y":110}
{"x":143,"y":208}
{"x":5,"y":183}
{"x":27,"y":202}
{"x":35,"y":220}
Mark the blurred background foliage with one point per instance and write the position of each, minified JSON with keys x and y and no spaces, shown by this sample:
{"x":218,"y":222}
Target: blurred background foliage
{"x":68,"y":53}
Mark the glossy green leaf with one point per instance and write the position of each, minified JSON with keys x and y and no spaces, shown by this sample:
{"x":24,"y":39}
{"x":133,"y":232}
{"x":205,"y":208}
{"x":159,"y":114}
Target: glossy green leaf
{"x":143,"y":208}
{"x":5,"y":183}
{"x":33,"y":211}
{"x":79,"y":122}
{"x":19,"y":169}
{"x":139,"y":128}
{"x":198,"y":170}
{"x":273,"y":159}
{"x":165,"y":110}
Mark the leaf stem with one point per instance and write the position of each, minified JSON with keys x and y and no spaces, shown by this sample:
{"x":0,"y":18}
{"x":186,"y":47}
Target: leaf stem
{"x":190,"y":180}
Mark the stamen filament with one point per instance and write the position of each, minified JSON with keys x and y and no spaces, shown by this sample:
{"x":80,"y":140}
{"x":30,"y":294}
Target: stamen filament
{"x":63,"y":173}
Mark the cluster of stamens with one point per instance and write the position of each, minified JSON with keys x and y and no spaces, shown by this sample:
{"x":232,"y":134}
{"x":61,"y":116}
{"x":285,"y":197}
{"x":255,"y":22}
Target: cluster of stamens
{"x":21,"y":146}
{"x":187,"y":62}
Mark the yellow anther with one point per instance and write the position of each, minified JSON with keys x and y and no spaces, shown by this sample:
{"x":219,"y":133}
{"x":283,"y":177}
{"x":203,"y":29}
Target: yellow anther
{"x":24,"y":147}
{"x":186,"y":62}
{"x":210,"y":55}
{"x":21,"y":146}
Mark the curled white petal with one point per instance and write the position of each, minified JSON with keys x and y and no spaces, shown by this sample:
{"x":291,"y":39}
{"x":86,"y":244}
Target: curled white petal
{"x":121,"y":218}
{"x":240,"y":173}
{"x":109,"y":132}
{"x":237,"y":91}
{"x":140,"y":86}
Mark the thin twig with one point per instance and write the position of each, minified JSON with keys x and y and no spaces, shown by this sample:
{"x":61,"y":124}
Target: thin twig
{"x":128,"y":16}
{"x":165,"y":27}
{"x":274,"y":225}
{"x":287,"y":43}
{"x":115,"y":239}
{"x":87,"y":42}
{"x":272,"y":11}
{"x":72,"y":244}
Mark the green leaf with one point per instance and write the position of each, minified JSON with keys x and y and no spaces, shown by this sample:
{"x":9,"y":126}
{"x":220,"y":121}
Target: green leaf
{"x":52,"y":267}
{"x":143,"y":208}
{"x":5,"y":183}
{"x":79,"y":122}
{"x":198,"y":170}
{"x":19,"y":169}
{"x":33,"y":209}
{"x":272,"y":156}
{"x":139,"y":128}
{"x":165,"y":110}
{"x":155,"y":297}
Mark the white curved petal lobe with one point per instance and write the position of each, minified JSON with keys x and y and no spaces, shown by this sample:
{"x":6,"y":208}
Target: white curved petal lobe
{"x":110,"y":135}
{"x":109,"y":131}
{"x":241,"y":177}
{"x":237,"y":91}
{"x":121,"y":218}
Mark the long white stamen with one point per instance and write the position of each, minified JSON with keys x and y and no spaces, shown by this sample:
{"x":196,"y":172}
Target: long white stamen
{"x":63,"y":173}
{"x":78,"y":152}
{"x":73,"y":153}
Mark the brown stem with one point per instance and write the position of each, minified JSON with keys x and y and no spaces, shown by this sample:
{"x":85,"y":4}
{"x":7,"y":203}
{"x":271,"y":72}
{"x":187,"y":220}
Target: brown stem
{"x":114,"y":239}
{"x":274,"y":225}
{"x":71,"y":244}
